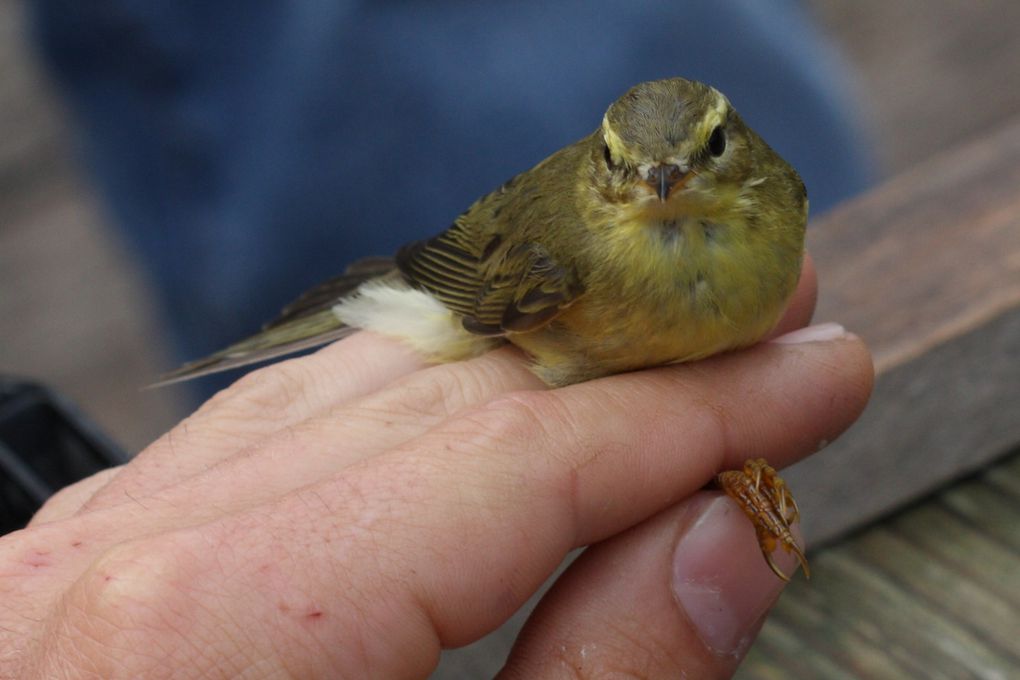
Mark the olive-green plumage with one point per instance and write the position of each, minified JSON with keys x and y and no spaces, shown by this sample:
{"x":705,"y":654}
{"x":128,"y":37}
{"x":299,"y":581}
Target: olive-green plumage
{"x":670,"y":233}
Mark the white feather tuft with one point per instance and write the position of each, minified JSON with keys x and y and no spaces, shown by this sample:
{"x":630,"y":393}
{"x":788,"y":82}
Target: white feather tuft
{"x":414,"y":316}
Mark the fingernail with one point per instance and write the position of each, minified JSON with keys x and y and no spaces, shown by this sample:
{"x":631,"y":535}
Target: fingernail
{"x":720,"y":577}
{"x":822,"y":332}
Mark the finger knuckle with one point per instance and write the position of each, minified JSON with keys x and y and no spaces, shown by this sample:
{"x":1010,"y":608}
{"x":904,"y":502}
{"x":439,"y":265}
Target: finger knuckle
{"x":132,"y":585}
{"x":441,"y":390}
{"x":525,"y":416}
{"x":128,"y":613}
{"x":544,"y":429}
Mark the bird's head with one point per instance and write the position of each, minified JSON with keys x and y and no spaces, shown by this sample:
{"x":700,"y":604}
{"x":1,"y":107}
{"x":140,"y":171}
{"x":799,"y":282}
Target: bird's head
{"x":673,"y":147}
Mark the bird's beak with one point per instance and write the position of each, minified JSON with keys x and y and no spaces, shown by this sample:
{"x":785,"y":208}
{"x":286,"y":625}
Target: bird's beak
{"x":663,"y":179}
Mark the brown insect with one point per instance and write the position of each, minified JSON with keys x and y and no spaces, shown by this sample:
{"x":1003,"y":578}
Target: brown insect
{"x":766,"y":500}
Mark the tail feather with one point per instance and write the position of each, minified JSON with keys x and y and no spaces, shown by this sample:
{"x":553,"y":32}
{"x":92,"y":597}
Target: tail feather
{"x":305,"y":323}
{"x":306,"y":332}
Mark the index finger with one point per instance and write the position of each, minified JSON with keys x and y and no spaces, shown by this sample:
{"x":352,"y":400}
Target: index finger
{"x":258,"y":405}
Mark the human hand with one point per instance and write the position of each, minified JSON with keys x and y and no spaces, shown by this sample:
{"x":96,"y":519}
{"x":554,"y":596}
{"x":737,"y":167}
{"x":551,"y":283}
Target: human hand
{"x":352,"y":512}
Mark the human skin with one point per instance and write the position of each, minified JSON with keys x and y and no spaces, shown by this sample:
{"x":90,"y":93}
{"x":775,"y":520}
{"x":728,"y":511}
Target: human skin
{"x":352,"y":512}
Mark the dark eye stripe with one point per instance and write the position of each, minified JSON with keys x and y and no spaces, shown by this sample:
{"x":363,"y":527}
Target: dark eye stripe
{"x":608,"y":157}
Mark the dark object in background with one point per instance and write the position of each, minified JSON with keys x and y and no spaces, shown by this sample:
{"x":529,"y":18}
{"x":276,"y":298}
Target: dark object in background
{"x":46,"y":443}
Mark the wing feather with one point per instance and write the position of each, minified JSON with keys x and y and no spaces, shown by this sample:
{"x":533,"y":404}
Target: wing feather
{"x":496,"y":286}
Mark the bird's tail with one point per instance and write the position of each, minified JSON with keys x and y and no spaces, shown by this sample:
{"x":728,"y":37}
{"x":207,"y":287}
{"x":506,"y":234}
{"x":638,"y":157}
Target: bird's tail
{"x":286,"y":338}
{"x":307,"y":322}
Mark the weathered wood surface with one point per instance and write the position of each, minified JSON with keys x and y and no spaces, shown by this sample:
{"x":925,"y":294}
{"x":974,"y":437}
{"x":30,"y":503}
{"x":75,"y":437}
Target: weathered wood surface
{"x":929,"y":75}
{"x":933,"y":592}
{"x":927,"y":269}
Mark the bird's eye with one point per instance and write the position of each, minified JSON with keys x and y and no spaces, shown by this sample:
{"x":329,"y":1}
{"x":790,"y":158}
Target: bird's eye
{"x":717,"y":141}
{"x":608,"y":156}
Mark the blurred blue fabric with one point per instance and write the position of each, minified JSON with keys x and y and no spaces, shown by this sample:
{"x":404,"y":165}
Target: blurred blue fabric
{"x":250,"y":148}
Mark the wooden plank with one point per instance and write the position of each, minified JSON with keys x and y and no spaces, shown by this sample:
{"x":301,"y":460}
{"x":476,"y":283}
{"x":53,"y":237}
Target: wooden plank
{"x":806,"y":612}
{"x":940,"y":586}
{"x":1006,"y":477}
{"x":988,"y":508}
{"x":895,"y":620}
{"x":927,"y":269}
{"x":785,"y":653}
{"x":929,"y":593}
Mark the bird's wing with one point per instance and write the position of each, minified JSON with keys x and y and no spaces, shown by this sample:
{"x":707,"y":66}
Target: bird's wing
{"x":328,"y":293}
{"x":496,"y":287}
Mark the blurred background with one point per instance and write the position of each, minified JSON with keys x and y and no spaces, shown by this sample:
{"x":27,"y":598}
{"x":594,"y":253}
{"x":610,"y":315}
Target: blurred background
{"x":84,"y":302}
{"x":162,"y":192}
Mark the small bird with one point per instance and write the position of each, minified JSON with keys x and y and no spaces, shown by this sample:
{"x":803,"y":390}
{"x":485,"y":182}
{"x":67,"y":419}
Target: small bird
{"x":670,"y":233}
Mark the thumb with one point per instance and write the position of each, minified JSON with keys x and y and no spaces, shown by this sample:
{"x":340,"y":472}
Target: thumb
{"x":681,"y":595}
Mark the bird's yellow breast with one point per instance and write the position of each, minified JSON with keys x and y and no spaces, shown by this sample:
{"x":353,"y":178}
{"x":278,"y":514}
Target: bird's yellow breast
{"x":669,"y":289}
